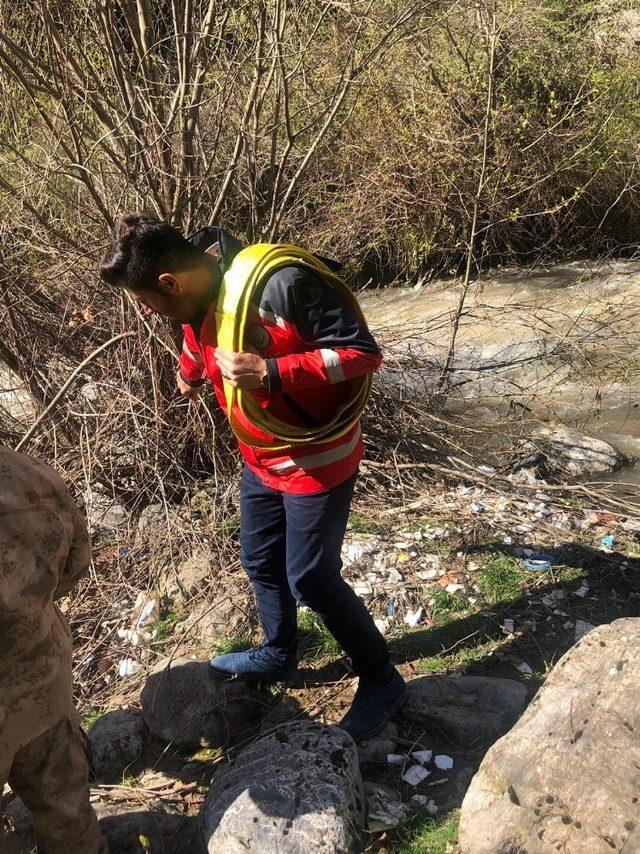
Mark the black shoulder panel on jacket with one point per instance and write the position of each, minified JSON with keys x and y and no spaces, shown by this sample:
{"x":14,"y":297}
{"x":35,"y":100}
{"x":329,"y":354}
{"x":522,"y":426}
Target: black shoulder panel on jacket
{"x":322,"y":317}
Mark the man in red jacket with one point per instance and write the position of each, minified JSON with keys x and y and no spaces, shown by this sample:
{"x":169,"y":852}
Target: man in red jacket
{"x":304,"y":346}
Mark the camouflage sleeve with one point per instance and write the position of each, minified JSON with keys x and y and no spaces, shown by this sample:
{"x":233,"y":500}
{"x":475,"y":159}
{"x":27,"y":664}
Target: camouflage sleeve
{"x":79,"y":557}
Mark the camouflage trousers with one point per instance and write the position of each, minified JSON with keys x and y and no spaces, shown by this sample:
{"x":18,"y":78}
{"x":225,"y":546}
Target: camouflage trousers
{"x":51,"y":775}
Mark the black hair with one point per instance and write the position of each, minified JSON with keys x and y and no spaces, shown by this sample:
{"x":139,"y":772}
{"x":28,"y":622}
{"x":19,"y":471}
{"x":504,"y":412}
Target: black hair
{"x":142,"y":247}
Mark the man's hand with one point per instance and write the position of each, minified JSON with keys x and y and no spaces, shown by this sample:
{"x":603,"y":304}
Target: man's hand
{"x":242,"y":370}
{"x":188,"y":391}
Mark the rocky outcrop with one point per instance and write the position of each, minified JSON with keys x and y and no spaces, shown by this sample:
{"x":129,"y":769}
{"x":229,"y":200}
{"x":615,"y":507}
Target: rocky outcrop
{"x":116,"y":740}
{"x":469,"y":709}
{"x":567,"y":776}
{"x":297,"y":789}
{"x":185,"y":706}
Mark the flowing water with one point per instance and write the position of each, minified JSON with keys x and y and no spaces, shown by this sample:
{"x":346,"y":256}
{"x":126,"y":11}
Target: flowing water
{"x":561,"y":344}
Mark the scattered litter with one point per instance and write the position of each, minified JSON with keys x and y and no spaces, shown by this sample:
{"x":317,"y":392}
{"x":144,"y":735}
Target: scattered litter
{"x":538,"y":562}
{"x":477,"y":508}
{"x":506,"y":539}
{"x":508,"y":626}
{"x":443,"y":762}
{"x":582,"y":628}
{"x":608,"y":541}
{"x":412,"y":618}
{"x":395,"y":758}
{"x":416,"y":774}
{"x":382,"y":626}
{"x":582,"y":590}
{"x":454,"y":588}
{"x":148,"y":611}
{"x":362,"y":589}
{"x":391,"y":605}
{"x":631,"y":525}
{"x":554,"y":597}
{"x":127,"y":667}
{"x":428,"y":574}
{"x":384,"y":811}
{"x":487,"y":469}
{"x":425,"y":802}
{"x":524,"y":668}
{"x":423,"y":756}
{"x":122,"y":551}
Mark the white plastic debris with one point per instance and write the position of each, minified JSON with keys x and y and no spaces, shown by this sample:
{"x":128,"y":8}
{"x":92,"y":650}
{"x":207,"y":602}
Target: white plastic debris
{"x":443,"y":762}
{"x":523,"y":667}
{"x":395,"y":758}
{"x":487,"y":469}
{"x":127,"y":667}
{"x":554,"y":597}
{"x":582,"y":590}
{"x":428,"y":574}
{"x":147,"y":614}
{"x":423,"y":756}
{"x":508,"y":626}
{"x":416,"y":774}
{"x":412,"y":618}
{"x":476,"y":507}
{"x":420,"y":800}
{"x":582,"y":628}
{"x":454,"y":588}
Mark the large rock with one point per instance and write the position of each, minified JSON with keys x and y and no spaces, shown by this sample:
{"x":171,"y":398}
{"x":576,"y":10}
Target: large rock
{"x":185,"y":706}
{"x":567,"y":777}
{"x":468,"y":709}
{"x":569,"y":452}
{"x":116,"y":740}
{"x":297,"y":789}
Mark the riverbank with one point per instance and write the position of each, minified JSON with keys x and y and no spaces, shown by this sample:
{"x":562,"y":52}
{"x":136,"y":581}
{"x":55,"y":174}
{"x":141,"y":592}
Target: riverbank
{"x":443,"y":573}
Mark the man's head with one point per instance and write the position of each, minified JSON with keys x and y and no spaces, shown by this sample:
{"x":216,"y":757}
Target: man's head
{"x":159,"y":267}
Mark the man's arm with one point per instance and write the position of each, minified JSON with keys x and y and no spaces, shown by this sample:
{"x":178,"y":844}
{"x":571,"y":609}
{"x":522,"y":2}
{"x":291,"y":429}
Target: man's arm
{"x":191,"y":371}
{"x":340,"y":344}
{"x":79,"y":557}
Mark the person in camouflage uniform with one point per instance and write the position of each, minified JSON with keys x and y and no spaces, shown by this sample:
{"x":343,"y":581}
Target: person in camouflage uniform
{"x":44,"y":550}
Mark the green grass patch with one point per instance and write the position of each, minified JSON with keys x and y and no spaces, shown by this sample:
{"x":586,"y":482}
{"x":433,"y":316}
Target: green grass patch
{"x":446,"y":605}
{"x":361,"y":525}
{"x":424,"y":834}
{"x":316,"y":640}
{"x":165,"y":627}
{"x":466,"y":655}
{"x":501,"y":579}
{"x":226,"y":644}
{"x":90,"y":717}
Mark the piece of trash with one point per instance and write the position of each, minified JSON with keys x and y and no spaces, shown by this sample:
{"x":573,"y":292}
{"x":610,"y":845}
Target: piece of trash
{"x":508,"y":626}
{"x":420,"y":800}
{"x":553,"y":598}
{"x":382,"y":626}
{"x":539,"y":562}
{"x":423,"y":756}
{"x":524,"y":668}
{"x":608,"y":541}
{"x":148,"y":613}
{"x":122,"y":551}
{"x":362,"y":589}
{"x":487,"y":469}
{"x":582,"y":628}
{"x":412,"y":618}
{"x":476,"y":507}
{"x":582,"y":590}
{"x":395,"y":758}
{"x":454,"y":588}
{"x":443,"y":762}
{"x":507,"y":540}
{"x":391,"y":605}
{"x":416,"y":774}
{"x":127,"y":667}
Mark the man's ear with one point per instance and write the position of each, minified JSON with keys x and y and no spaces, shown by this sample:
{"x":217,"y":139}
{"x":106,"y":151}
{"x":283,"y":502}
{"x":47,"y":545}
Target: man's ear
{"x":168,"y":284}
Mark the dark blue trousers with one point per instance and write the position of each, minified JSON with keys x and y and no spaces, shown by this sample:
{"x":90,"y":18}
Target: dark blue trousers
{"x":290,"y":549}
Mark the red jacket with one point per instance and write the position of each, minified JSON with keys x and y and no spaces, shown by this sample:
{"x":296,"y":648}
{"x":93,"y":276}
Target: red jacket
{"x":313,"y":344}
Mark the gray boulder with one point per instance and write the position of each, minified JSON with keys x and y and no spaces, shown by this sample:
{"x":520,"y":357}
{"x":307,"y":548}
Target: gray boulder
{"x":571,"y":453}
{"x":297,"y":789}
{"x":468,"y":709}
{"x":116,"y":740}
{"x":567,"y":776}
{"x":185,"y":706}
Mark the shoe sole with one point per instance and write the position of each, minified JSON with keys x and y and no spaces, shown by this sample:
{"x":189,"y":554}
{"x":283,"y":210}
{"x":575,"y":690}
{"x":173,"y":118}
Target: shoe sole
{"x":399,"y":703}
{"x":253,"y":678}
